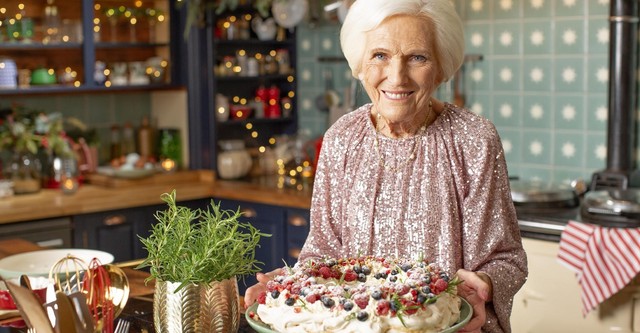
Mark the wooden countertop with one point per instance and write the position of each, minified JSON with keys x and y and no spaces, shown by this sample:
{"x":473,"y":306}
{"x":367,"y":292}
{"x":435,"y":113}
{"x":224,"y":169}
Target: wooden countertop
{"x":50,"y":203}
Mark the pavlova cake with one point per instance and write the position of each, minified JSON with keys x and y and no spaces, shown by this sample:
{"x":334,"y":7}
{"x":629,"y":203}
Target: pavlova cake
{"x":364,"y":294}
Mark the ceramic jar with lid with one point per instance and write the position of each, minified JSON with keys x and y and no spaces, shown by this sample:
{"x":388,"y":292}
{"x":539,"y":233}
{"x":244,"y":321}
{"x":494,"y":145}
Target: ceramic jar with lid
{"x":234,"y":161}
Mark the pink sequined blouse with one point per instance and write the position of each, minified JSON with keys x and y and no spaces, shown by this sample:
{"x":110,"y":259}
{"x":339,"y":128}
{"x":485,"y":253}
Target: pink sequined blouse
{"x":451,"y":202}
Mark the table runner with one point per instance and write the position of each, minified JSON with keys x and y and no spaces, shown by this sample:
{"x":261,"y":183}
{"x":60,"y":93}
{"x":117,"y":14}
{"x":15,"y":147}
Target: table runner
{"x":605,"y":259}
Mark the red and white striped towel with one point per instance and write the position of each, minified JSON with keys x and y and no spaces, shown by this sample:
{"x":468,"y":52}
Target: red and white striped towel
{"x":604,"y":259}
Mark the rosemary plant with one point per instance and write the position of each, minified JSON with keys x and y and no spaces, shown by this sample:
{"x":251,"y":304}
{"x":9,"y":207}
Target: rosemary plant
{"x":196,"y":246}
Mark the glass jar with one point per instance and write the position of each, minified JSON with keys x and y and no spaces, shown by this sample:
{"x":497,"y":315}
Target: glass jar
{"x":25,"y":171}
{"x":234,"y":161}
{"x":170,"y":148}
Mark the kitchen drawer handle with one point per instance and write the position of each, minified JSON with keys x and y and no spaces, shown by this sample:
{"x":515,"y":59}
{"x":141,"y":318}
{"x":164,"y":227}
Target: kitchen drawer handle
{"x":297,"y":221}
{"x":294,"y":252}
{"x":115,"y":220}
{"x":248,"y":212}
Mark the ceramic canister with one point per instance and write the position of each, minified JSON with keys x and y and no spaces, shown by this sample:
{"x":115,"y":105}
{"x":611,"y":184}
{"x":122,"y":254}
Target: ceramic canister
{"x":8,"y":73}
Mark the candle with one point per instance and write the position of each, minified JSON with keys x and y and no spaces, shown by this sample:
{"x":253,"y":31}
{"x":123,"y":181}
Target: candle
{"x":69,"y":184}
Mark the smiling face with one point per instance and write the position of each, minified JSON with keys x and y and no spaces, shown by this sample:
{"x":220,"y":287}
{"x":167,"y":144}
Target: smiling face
{"x":400,"y":71}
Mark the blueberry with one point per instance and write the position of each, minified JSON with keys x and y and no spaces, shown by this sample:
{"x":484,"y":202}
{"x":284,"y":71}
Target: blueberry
{"x":348,"y":305}
{"x":362,"y":277}
{"x":376,"y":294}
{"x":393,"y":278}
{"x":362,"y":315}
{"x":406,"y":267}
{"x":426,"y":289}
{"x":331,"y":262}
{"x":275,"y":294}
{"x":444,"y":276}
{"x":394,"y":271}
{"x":357,"y":269}
{"x":421,"y":298}
{"x":290,"y":301}
{"x":393,"y":306}
{"x":327,"y":301}
{"x":366,"y":270}
{"x":426,"y":279}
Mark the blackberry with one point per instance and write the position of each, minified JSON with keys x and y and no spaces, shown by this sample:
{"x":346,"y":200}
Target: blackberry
{"x":362,"y":316}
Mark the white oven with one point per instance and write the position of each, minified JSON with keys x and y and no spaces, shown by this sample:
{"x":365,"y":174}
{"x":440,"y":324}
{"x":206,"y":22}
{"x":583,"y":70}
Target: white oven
{"x":550,"y":299}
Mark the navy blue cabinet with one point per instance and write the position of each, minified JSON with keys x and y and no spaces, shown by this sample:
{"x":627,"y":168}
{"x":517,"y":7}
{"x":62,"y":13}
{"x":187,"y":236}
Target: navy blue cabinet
{"x":268,"y":219}
{"x":118,"y":231}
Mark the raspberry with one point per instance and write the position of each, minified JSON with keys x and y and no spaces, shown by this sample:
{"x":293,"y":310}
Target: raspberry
{"x":402,"y":289}
{"x":382,"y":309}
{"x":361,"y":300}
{"x":262,"y":298}
{"x":312,"y":298}
{"x":350,"y":276}
{"x":325,"y":272}
{"x":439,"y":286}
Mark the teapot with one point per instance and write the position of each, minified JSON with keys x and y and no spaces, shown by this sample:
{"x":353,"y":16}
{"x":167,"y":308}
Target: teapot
{"x":265,"y":29}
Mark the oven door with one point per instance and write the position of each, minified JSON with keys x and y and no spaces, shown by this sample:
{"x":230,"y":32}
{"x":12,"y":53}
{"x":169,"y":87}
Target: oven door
{"x":50,"y":233}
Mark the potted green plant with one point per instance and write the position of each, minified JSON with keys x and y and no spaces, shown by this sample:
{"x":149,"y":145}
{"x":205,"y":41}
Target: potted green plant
{"x":195,"y":257}
{"x":25,"y":134}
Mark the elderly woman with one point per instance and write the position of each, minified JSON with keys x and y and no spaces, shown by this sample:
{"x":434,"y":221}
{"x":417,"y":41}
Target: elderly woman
{"x":408,"y":174}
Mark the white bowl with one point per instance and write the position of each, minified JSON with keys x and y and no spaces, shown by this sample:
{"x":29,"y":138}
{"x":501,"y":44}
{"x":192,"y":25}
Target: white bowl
{"x":39,"y":263}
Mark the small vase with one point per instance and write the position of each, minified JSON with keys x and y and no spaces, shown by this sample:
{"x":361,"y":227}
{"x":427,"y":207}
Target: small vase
{"x":25,"y":171}
{"x":195,"y":308}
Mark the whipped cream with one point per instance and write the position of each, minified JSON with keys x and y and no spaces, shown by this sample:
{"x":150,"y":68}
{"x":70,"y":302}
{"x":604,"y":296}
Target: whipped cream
{"x":394,"y":296}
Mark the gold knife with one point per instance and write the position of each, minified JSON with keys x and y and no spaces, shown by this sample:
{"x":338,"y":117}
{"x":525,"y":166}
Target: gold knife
{"x":32,"y":311}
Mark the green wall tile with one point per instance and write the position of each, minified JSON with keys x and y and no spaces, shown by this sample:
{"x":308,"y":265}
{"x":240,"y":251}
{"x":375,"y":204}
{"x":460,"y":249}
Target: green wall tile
{"x":568,"y":149}
{"x":537,"y":74}
{"x":569,"y":74}
{"x":569,"y":36}
{"x":537,"y":112}
{"x":507,"y":74}
{"x":507,"y":37}
{"x":538,"y":8}
{"x":570,"y":8}
{"x":537,"y":37}
{"x":569,"y":112}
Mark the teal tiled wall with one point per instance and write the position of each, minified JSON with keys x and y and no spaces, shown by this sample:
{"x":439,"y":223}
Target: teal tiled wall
{"x":543,"y":80}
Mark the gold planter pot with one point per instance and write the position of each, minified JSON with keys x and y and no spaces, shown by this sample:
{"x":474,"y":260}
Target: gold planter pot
{"x":206,"y":308}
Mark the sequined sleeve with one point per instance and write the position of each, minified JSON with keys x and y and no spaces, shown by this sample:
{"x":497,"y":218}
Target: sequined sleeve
{"x":491,"y":235}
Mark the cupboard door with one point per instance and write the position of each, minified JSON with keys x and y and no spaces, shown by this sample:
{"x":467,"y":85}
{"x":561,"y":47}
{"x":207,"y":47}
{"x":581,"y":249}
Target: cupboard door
{"x":270,"y":220}
{"x":112,"y":231}
{"x":297,"y":231}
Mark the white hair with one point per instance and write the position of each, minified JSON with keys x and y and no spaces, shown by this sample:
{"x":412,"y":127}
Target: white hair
{"x":366,"y":15}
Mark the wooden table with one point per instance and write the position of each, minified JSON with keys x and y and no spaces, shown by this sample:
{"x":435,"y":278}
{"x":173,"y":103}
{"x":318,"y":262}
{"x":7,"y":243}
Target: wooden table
{"x":139,"y":308}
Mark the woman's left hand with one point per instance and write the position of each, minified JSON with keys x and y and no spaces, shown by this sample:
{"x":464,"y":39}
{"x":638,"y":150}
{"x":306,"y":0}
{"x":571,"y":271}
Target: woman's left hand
{"x":477,"y":290}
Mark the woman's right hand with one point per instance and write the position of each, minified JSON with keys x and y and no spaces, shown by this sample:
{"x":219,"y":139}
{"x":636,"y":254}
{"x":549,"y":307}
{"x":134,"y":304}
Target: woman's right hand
{"x":252,"y":293}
